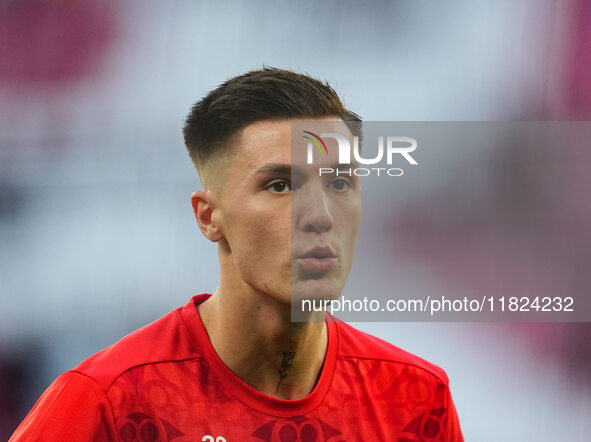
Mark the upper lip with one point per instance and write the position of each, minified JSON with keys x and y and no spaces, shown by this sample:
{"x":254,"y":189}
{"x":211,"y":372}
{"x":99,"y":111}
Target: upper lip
{"x":319,"y":252}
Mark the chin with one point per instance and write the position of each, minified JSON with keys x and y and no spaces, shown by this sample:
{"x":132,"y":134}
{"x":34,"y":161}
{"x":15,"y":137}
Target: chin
{"x":316,"y":289}
{"x":318,"y":294}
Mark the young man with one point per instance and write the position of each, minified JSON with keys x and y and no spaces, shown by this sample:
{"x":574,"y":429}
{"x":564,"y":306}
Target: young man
{"x":232,"y":366}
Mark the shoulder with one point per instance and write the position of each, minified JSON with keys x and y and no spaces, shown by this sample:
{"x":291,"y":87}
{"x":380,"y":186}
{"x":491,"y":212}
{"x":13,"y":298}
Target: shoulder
{"x":356,"y":344}
{"x":164,"y":340}
{"x":73,"y":407}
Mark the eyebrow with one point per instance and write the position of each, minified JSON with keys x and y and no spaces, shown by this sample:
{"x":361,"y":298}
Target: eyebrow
{"x":352,"y":165}
{"x":273,"y":168}
{"x":279,"y":169}
{"x":287,"y":169}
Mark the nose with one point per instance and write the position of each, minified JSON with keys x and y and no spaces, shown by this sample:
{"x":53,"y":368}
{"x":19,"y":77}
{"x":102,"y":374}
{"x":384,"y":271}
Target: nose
{"x":312,"y":209}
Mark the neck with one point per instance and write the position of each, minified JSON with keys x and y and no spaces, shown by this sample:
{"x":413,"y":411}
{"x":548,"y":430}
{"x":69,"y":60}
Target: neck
{"x":253,"y":335}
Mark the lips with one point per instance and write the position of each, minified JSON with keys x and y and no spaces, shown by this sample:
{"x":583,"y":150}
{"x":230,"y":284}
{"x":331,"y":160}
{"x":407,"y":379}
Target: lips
{"x":319,"y":253}
{"x":317,"y":261}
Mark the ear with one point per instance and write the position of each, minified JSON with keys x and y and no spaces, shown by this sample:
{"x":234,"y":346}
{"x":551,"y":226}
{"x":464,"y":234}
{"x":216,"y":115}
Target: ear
{"x":203,"y":210}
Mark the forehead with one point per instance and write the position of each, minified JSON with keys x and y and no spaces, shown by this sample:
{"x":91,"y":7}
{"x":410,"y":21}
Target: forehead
{"x":265,"y":139}
{"x":271,"y":140}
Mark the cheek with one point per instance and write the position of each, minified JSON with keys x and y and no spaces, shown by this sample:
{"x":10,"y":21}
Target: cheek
{"x":350,"y":215}
{"x":351,"y":219}
{"x":274,"y":237}
{"x":261,"y":238}
{"x":264,"y":260}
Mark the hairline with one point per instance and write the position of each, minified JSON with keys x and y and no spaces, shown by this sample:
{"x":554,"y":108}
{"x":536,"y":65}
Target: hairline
{"x":225,"y":147}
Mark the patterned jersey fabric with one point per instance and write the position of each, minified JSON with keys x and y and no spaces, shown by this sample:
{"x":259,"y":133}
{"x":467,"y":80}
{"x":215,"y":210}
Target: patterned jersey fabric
{"x":165,"y":382}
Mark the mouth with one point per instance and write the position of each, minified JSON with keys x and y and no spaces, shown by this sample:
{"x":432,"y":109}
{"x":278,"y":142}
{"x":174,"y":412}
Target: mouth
{"x":318,"y":261}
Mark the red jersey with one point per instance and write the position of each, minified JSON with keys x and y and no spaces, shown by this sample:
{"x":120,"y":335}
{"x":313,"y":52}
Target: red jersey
{"x":165,"y":382}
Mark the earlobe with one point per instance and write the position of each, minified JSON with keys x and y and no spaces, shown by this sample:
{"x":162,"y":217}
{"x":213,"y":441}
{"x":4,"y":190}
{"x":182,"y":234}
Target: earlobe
{"x":203,"y":210}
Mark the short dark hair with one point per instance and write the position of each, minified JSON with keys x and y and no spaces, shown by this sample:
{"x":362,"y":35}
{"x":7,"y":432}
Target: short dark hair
{"x":265,"y":94}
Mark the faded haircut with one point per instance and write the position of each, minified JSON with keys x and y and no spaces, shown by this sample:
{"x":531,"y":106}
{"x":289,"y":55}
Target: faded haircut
{"x":261,"y":95}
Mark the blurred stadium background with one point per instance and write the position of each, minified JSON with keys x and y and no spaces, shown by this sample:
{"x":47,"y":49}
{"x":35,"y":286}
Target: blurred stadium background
{"x":96,"y":230}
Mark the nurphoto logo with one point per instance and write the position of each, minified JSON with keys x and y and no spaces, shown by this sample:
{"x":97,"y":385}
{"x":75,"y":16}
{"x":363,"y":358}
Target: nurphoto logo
{"x":394,"y":146}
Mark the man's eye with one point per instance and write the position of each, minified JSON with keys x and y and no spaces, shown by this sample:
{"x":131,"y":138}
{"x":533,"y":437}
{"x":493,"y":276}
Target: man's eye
{"x":339,"y":184}
{"x":279,"y":186}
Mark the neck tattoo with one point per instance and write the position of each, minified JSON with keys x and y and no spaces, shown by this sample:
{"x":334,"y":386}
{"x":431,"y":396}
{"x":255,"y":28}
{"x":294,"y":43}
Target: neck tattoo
{"x":286,"y":362}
